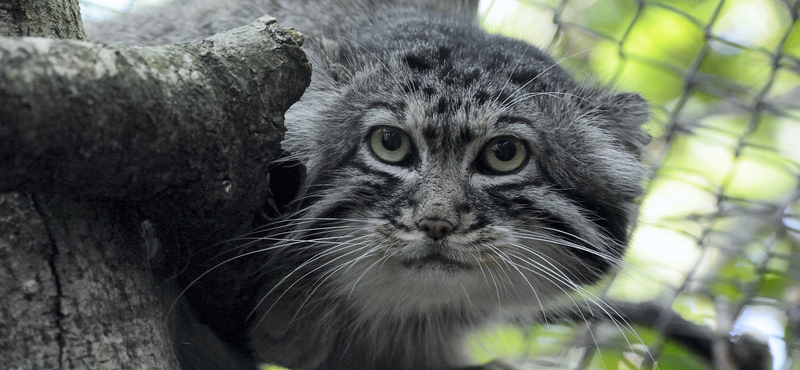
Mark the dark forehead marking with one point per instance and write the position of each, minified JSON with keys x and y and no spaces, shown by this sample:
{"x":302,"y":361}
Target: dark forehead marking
{"x":397,"y":107}
{"x":505,"y":120}
{"x":442,"y":135}
{"x":465,"y":134}
{"x":497,"y":96}
{"x":443,"y":105}
{"x":431,"y":133}
{"x":443,"y":126}
{"x":417,"y":62}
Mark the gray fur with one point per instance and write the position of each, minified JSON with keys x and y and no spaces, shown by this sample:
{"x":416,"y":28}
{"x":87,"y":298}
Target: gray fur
{"x":347,"y":282}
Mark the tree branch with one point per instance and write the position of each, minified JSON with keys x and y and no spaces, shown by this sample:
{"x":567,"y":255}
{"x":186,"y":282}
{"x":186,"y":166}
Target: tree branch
{"x":179,"y":134}
{"x":189,"y":127}
{"x":120,"y":121}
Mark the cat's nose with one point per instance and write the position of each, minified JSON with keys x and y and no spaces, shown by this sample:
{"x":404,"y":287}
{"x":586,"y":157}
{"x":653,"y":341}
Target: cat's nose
{"x":435,"y":228}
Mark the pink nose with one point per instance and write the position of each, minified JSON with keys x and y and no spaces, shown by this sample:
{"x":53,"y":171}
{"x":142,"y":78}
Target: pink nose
{"x":435,"y":228}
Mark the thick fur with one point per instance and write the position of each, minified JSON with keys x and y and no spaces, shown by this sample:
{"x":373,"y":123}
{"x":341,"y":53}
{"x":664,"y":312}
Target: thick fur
{"x":351,"y":280}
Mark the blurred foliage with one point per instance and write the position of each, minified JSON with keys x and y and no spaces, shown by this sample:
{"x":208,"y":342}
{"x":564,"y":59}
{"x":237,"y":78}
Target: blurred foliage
{"x":723,"y":80}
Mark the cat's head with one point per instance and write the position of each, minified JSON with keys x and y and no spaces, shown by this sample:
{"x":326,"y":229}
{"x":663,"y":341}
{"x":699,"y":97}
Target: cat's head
{"x":450,"y":168}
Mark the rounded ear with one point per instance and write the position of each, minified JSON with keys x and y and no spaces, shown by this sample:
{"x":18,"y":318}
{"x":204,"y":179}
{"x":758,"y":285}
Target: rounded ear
{"x":329,"y":56}
{"x":624,"y":114}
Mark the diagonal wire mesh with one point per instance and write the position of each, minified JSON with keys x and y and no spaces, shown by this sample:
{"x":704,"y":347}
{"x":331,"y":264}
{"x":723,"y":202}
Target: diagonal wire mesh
{"x":720,"y":225}
{"x":719,"y":231}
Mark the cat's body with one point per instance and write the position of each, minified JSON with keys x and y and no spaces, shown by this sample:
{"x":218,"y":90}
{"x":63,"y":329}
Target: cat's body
{"x":454,"y":178}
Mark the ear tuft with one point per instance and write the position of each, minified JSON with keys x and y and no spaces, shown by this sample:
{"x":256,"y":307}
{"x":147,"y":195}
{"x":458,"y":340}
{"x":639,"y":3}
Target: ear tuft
{"x":330,"y":54}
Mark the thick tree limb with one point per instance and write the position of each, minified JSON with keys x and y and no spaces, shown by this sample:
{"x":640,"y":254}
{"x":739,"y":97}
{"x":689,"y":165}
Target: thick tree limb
{"x":106,"y":136}
{"x":128,"y":122}
{"x":189,"y":127}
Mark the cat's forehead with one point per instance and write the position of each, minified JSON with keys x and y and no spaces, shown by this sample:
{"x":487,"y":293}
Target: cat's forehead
{"x":452,"y":118}
{"x":483,"y":106}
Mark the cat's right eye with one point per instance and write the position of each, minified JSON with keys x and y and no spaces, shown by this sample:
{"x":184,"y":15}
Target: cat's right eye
{"x":389,"y":144}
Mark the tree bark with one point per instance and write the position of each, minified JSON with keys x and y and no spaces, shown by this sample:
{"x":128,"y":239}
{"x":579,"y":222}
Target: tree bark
{"x":55,"y":19}
{"x":101,"y":138}
{"x":77,"y":291}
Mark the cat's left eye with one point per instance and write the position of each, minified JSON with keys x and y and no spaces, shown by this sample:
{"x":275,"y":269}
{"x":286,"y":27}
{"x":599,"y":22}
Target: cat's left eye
{"x":503,"y":155}
{"x":390,"y":144}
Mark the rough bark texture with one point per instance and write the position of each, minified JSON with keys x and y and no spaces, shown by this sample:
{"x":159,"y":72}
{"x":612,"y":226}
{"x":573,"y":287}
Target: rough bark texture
{"x":186,"y":131}
{"x":55,"y":19}
{"x":29,"y":331}
{"x":101,"y":138}
{"x":77,"y":292}
{"x":132,"y":119}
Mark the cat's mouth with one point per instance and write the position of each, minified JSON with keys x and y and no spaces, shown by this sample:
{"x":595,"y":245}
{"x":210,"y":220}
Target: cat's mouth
{"x":436,"y":261}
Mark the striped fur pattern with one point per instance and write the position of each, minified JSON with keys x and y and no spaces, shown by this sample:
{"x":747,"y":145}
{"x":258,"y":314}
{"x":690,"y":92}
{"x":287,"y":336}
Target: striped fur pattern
{"x":354,"y":279}
{"x":519,"y":240}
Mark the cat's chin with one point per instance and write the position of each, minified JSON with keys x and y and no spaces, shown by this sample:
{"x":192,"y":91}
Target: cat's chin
{"x":434,"y":262}
{"x":437,"y":256}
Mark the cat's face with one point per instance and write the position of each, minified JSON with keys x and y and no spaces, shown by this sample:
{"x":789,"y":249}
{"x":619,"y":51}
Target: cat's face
{"x":443,"y":180}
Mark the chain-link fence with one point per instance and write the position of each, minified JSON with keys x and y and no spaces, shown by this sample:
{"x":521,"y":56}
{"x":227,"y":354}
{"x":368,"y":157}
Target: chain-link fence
{"x":719,"y":228}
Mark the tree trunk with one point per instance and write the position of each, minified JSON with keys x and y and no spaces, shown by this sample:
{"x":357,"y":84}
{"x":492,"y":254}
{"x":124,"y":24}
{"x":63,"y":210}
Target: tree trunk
{"x":77,"y":292}
{"x":54,"y":19}
{"x":100,"y":139}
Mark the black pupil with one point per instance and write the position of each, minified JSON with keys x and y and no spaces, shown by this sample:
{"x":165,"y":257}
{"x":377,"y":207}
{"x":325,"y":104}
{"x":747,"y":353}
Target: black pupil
{"x":504,"y":150}
{"x":391,"y":140}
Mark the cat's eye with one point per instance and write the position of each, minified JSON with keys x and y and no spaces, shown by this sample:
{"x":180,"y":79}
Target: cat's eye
{"x":503,"y":154}
{"x":390,"y":144}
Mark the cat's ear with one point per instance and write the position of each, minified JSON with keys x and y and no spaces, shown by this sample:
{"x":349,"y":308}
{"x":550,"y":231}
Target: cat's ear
{"x":330,"y":54}
{"x":623,"y":115}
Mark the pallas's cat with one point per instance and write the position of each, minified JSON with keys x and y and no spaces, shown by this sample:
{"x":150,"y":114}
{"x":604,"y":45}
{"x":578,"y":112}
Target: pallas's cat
{"x":454,"y":178}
